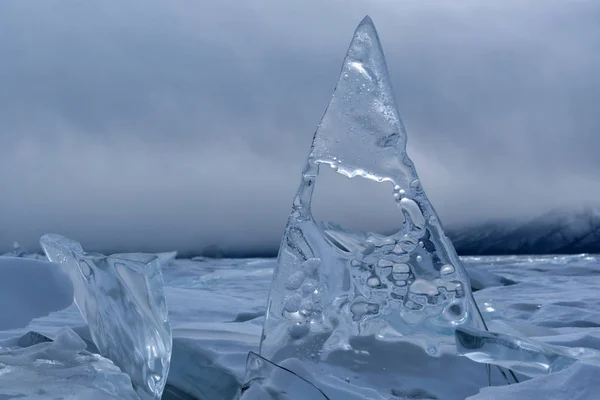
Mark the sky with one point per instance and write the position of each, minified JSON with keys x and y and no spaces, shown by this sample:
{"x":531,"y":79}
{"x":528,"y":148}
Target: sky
{"x":180,"y":125}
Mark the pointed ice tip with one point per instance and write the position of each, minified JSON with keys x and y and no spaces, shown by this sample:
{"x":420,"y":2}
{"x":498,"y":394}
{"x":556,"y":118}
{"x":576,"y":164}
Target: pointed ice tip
{"x":366,"y":25}
{"x":365,"y":44}
{"x":53,"y":240}
{"x":362,"y":117}
{"x":366,"y":21}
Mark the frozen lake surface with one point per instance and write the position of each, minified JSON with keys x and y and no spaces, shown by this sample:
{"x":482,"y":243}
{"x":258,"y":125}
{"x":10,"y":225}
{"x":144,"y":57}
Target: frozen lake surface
{"x":216,"y":310}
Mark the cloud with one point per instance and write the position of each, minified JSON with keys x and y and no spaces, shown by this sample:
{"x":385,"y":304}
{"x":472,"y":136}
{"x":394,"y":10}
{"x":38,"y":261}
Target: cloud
{"x":152,"y":126}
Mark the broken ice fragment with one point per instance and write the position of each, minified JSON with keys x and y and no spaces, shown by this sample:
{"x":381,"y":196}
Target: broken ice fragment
{"x":522,"y":355}
{"x":422,"y":286}
{"x":19,"y":251}
{"x":406,"y":287}
{"x":121,"y":298}
{"x":34,"y":366}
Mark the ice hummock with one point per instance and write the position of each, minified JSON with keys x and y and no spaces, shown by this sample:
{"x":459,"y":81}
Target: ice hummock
{"x":121,"y":298}
{"x":34,"y":366}
{"x":353,"y":314}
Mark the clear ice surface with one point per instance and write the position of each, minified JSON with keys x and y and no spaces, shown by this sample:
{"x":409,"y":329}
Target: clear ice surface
{"x":33,"y":288}
{"x":354,"y":313}
{"x":122,"y":300}
{"x":35,"y":367}
{"x":265,"y":380}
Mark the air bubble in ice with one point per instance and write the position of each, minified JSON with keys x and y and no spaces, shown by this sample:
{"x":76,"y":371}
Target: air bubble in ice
{"x":308,"y":287}
{"x":432,"y":350}
{"x":373,"y":282}
{"x":446,"y":269}
{"x":361,"y":308}
{"x":292,"y":303}
{"x":295,"y":280}
{"x":422,"y":286}
{"x":412,"y":209}
{"x":310,"y":266}
{"x":385,"y":263}
{"x":398,"y":268}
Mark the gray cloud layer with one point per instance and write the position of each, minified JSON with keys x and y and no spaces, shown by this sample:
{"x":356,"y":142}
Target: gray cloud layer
{"x":146,"y":125}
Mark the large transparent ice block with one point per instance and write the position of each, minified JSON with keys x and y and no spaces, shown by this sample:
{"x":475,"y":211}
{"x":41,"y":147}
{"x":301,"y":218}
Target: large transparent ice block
{"x":121,"y":298}
{"x":378,"y":312}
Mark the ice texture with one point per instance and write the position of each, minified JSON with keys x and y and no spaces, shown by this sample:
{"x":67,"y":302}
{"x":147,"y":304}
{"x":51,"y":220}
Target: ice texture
{"x":357,"y":241}
{"x":578,"y":382}
{"x":194,"y":372}
{"x":121,"y":298}
{"x":522,"y":355}
{"x":338,"y":306}
{"x":265,"y":380}
{"x":35,"y":367}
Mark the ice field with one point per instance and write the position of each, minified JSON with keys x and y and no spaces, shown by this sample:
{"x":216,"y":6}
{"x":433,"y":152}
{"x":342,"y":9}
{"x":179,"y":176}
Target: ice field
{"x":339,"y":315}
{"x":216,"y":311}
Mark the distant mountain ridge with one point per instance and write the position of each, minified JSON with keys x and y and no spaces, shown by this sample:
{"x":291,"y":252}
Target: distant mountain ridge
{"x":560,"y":231}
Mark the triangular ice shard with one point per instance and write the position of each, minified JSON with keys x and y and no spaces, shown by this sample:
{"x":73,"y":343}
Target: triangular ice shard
{"x":379,"y":312}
